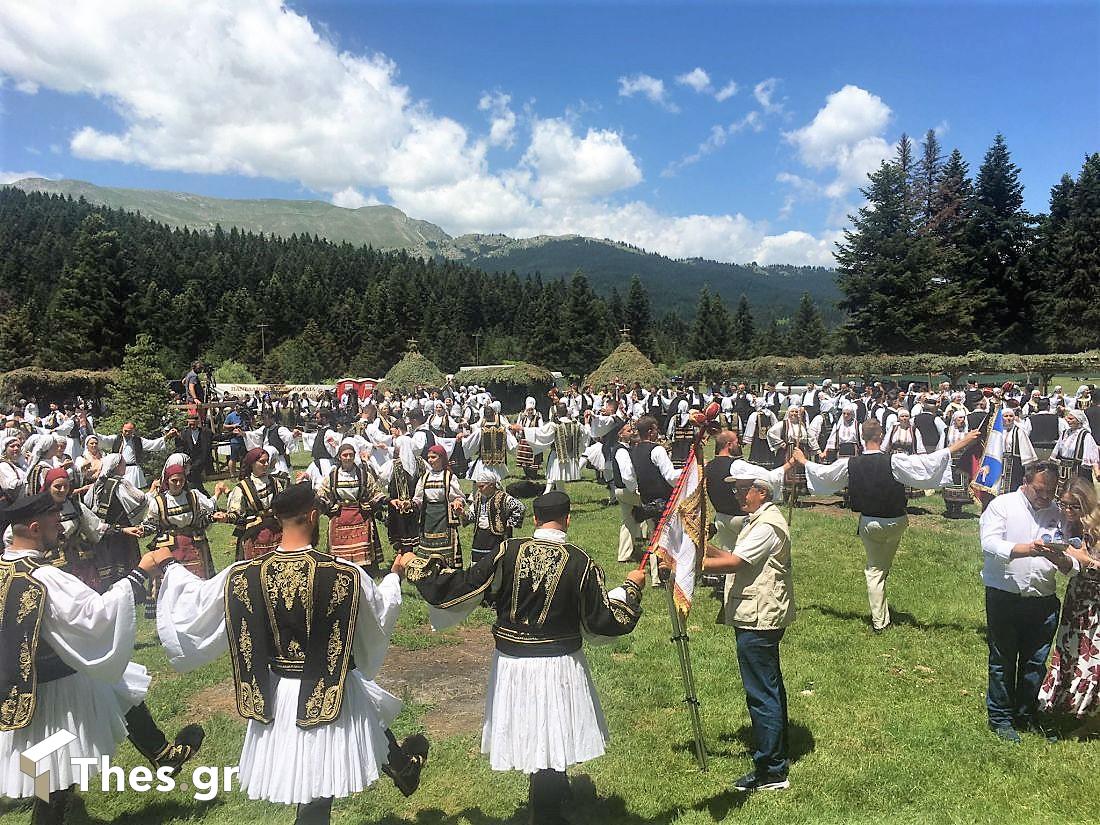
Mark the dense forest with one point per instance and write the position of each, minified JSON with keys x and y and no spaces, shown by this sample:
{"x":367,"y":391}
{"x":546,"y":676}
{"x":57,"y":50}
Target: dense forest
{"x":934,"y":262}
{"x":79,"y":282}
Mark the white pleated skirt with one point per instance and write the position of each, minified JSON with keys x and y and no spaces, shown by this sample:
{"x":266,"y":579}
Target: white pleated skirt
{"x":93,"y":711}
{"x":283,"y":763}
{"x":542,"y":713}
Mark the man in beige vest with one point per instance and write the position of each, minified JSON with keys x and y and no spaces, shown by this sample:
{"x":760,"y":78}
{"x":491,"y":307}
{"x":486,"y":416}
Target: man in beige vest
{"x":759,"y":604}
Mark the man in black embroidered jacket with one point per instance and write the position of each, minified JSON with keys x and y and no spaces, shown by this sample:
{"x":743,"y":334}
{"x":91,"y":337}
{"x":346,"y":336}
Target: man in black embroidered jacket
{"x":548,"y":595}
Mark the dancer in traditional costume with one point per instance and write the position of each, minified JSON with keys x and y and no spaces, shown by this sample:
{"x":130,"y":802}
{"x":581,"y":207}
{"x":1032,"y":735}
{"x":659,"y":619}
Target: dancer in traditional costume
{"x":681,"y":434}
{"x":493,"y":512}
{"x":400,"y":476}
{"x":565,"y":440}
{"x":526,"y":458}
{"x":46,"y":455}
{"x":352,"y":498}
{"x":249,"y":505}
{"x":756,"y":434}
{"x":65,"y":665}
{"x":439,"y":500}
{"x":116,"y":501}
{"x":133,"y":448}
{"x":307,"y":634}
{"x":81,"y":531}
{"x":280,"y":439}
{"x":177,"y":518}
{"x":490,"y":441}
{"x":13,"y":470}
{"x":542,"y":713}
{"x":957,"y":477}
{"x":788,"y":435}
{"x":1076,"y":451}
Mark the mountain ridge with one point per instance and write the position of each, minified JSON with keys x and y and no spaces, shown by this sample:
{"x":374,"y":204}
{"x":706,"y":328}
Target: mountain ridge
{"x":773,"y":291}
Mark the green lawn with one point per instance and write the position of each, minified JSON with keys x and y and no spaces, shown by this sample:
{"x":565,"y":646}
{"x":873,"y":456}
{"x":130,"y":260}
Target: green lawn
{"x":884,"y":728}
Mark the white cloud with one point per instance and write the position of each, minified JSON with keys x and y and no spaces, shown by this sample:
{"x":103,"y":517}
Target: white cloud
{"x":697,"y":79}
{"x":848,"y":117}
{"x":352,"y":198}
{"x":572,"y":168}
{"x":726,"y":92}
{"x":647,"y":86}
{"x":27,"y":87}
{"x":502,"y":124}
{"x":764,"y":91}
{"x":11,"y":177}
{"x":798,"y":246}
{"x":256,"y":89}
{"x":846,"y":137}
{"x":716,"y":140}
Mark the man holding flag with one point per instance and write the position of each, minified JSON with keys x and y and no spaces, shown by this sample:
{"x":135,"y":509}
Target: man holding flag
{"x":759,"y":604}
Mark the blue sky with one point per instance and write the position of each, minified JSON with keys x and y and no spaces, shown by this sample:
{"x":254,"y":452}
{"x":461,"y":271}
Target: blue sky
{"x":730,"y":131}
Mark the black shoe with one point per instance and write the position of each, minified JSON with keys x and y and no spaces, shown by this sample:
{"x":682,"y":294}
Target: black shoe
{"x":1007,"y":734}
{"x":750,"y":782}
{"x":183,"y":747}
{"x":878,"y":631}
{"x":407,"y":759}
{"x":1037,"y":729}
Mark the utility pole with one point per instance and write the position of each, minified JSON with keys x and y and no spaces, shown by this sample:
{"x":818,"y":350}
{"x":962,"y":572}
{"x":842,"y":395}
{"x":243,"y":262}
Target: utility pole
{"x":263,"y":339}
{"x":477,"y":348}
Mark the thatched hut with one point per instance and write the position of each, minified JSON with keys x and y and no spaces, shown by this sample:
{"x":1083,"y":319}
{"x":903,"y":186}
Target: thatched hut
{"x":54,"y":385}
{"x":627,"y":365}
{"x":413,"y":370}
{"x":510,"y":383}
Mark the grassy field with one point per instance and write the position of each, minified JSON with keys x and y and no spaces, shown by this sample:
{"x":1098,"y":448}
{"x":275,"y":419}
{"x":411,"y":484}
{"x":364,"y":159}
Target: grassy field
{"x":886,"y":728}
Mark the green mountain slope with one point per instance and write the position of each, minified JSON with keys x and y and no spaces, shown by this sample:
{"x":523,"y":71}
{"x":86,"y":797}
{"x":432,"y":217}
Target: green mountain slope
{"x":672,"y":284}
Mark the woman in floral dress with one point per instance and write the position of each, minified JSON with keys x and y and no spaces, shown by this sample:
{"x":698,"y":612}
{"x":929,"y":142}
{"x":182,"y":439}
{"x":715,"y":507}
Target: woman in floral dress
{"x":1072,"y":685}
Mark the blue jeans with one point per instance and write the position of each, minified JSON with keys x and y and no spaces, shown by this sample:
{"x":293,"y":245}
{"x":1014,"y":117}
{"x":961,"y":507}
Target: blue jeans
{"x":766,"y":696}
{"x":1020,"y":631}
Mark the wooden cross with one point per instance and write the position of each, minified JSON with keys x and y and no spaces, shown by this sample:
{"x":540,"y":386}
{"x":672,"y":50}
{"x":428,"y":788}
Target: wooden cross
{"x":412,"y":344}
{"x":625,"y":332}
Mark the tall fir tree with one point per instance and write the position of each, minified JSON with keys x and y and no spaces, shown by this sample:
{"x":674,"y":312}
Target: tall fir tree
{"x":83,"y":313}
{"x":701,"y":345}
{"x":928,"y":178}
{"x":744,"y":329}
{"x":998,"y":235}
{"x":1066,"y":260}
{"x":139,"y":392}
{"x":637,"y":316}
{"x":807,"y":330}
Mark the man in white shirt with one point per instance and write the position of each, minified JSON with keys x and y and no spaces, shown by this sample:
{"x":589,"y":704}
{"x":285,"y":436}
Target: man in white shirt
{"x":1020,"y":533}
{"x":876,"y":484}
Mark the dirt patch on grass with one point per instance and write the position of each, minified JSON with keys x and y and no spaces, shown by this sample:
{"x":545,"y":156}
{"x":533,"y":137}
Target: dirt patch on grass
{"x":209,"y":702}
{"x":450,"y":678}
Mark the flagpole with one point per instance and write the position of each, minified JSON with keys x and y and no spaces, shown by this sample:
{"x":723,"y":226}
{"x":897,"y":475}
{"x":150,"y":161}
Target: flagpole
{"x":679,"y":629}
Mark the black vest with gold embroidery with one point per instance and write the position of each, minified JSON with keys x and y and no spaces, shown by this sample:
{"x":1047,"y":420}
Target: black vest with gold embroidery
{"x":494,"y":444}
{"x":538,"y":607}
{"x":292,"y":614}
{"x":25,"y":660}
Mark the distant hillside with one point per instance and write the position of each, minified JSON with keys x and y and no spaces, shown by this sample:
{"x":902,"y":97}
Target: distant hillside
{"x":382,"y":227}
{"x":772,"y":290}
{"x":672,"y":284}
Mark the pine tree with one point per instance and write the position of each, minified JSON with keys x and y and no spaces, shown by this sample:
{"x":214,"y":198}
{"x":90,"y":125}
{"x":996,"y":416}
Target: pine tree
{"x":1066,"y":260}
{"x":17,"y":341}
{"x":807,"y":333}
{"x":585,"y":326}
{"x":928,"y":179}
{"x":998,"y":236}
{"x":744,"y":329}
{"x":83,"y":313}
{"x":139,"y":392}
{"x":636,"y":315}
{"x":701,"y":345}
{"x":721,"y":332}
{"x":615,"y":307}
{"x":884,"y":286}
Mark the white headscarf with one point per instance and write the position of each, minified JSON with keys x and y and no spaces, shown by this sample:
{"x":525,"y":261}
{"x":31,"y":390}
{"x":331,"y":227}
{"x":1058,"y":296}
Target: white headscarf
{"x":483,"y":475}
{"x":405,"y":452}
{"x":529,"y":404}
